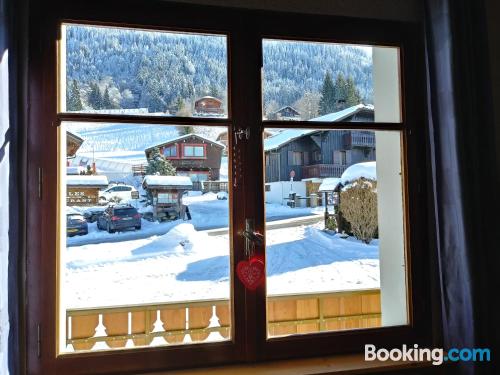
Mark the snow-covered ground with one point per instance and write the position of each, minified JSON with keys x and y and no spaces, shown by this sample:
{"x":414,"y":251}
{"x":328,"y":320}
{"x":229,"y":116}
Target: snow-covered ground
{"x":186,"y":264}
{"x":206,"y":210}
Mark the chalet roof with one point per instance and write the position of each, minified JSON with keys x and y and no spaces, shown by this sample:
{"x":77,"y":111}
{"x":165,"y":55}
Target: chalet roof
{"x":172,"y":182}
{"x":87,"y":181}
{"x":289,"y":135}
{"x":341,"y":115}
{"x":208,"y":97}
{"x":329,"y":184}
{"x":74,"y":136}
{"x":182,"y":137}
{"x":288,"y":106}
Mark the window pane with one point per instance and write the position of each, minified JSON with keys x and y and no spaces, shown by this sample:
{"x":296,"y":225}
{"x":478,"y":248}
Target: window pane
{"x":136,"y":72}
{"x":335,"y":249}
{"x":140,"y":263}
{"x":329,"y":82}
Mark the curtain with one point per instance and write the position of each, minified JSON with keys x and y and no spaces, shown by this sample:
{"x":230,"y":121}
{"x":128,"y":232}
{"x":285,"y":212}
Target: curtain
{"x":463,"y":166}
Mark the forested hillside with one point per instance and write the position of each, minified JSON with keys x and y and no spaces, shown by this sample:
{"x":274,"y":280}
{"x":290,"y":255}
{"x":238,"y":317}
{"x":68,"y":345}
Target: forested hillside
{"x":166,"y":71}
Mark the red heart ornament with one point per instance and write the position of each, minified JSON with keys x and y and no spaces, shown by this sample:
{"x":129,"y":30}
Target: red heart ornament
{"x":251,"y":273}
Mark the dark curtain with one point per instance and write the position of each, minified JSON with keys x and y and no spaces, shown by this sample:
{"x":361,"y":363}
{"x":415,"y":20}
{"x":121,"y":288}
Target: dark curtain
{"x":466,"y":186}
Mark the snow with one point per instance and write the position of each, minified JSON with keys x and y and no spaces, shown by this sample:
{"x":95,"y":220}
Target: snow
{"x":77,"y":180}
{"x":340,"y":115}
{"x":182,"y":181}
{"x":74,"y":170}
{"x":285,"y":137}
{"x":329,"y":184}
{"x":366,"y":170}
{"x":186,"y":264}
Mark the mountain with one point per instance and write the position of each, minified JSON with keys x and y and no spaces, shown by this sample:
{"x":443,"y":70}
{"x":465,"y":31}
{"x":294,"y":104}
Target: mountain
{"x":161,"y":71}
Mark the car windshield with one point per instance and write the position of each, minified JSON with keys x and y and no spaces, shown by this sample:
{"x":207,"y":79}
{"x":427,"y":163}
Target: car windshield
{"x":75,"y":218}
{"x":125,"y":211}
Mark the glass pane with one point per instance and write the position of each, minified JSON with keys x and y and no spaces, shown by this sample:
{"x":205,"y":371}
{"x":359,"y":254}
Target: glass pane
{"x":335,"y":249}
{"x":140,"y":262}
{"x":330,"y":82}
{"x":114,"y":70}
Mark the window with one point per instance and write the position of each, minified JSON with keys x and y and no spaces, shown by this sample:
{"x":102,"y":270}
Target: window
{"x":162,"y":284}
{"x":194,"y":151}
{"x":170,"y":152}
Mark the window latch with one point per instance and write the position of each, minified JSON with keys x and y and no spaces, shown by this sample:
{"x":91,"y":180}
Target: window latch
{"x":240,"y":133}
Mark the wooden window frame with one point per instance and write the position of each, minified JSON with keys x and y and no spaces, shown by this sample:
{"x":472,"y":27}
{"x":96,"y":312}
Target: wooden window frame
{"x":202,"y":145}
{"x":245,"y":30}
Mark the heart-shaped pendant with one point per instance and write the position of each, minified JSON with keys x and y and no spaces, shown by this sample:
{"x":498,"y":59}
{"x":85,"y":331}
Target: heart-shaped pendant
{"x":251,"y":273}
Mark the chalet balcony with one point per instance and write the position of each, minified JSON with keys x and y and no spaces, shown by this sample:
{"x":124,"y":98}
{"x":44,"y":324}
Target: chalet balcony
{"x":323,"y":170}
{"x":209,"y":320}
{"x":358,"y":139}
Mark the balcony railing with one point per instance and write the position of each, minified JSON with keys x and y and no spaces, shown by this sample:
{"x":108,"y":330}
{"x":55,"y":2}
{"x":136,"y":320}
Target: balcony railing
{"x":206,"y":321}
{"x":359,"y":139}
{"x":323,"y":170}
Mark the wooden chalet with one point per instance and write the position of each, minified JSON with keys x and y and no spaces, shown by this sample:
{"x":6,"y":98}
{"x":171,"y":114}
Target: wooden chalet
{"x":192,"y":155}
{"x":285,"y":113}
{"x":165,"y":194}
{"x":73,"y":143}
{"x":208,"y":105}
{"x":82,"y":190}
{"x":312,"y":153}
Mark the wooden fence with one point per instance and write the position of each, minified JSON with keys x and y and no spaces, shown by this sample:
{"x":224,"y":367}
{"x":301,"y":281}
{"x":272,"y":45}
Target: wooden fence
{"x":210,"y":320}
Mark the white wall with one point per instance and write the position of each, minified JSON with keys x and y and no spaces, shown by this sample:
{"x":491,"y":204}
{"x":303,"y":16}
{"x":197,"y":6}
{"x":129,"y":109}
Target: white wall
{"x":4,"y":212}
{"x":389,"y":188}
{"x":281,"y":189}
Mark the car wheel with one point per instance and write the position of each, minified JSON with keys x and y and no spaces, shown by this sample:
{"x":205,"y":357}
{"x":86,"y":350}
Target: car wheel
{"x":138,"y":227}
{"x":110,"y":230}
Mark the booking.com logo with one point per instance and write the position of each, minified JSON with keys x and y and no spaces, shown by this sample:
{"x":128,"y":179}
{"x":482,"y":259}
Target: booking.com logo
{"x":436,"y":356}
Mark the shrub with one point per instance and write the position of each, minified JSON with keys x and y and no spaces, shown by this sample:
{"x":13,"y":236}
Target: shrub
{"x":331,"y":223}
{"x":358,"y":205}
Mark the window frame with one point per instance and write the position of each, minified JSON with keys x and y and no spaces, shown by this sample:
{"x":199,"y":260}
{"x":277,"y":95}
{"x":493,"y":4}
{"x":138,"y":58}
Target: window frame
{"x":249,"y":341}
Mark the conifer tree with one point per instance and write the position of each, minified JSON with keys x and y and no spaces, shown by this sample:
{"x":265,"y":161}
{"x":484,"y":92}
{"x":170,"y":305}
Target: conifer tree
{"x":328,"y":95}
{"x":353,"y":97}
{"x":158,"y":165}
{"x":106,"y":101}
{"x":73,"y":100}
{"x":340,"y":93}
{"x":95,"y":96}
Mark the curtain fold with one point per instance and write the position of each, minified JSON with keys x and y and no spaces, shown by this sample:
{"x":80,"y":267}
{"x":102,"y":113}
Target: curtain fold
{"x":463,"y":166}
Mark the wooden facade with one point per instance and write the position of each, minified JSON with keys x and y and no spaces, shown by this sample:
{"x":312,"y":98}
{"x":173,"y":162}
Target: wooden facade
{"x":285,"y":113}
{"x":203,"y":166}
{"x":208,"y":105}
{"x":84,"y":190}
{"x":73,"y":143}
{"x":321,"y":153}
{"x":165,"y":193}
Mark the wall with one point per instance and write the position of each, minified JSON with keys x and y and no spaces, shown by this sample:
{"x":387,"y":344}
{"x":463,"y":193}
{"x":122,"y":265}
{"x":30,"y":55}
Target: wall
{"x":280,"y":190}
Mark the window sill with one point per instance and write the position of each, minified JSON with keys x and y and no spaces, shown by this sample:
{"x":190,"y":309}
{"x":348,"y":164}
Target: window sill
{"x":340,"y":364}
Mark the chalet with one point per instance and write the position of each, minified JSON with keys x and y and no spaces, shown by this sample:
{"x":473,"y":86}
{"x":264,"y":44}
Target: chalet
{"x":73,"y":143}
{"x":285,"y":113}
{"x":84,"y":190}
{"x":165,"y":193}
{"x":192,"y":155}
{"x":312,"y":153}
{"x":208,"y":105}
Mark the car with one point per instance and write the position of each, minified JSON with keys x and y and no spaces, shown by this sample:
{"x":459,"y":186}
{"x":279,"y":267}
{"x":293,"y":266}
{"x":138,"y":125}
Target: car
{"x":76,"y":225}
{"x":118,"y":193}
{"x":92,"y":214}
{"x":119,"y":217}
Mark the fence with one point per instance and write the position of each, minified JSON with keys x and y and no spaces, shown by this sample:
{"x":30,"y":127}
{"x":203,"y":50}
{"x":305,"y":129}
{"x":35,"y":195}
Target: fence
{"x":209,"y":320}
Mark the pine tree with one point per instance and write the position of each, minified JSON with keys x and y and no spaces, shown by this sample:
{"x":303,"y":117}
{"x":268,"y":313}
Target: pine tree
{"x":95,"y":96}
{"x":328,"y":96}
{"x":158,"y":165}
{"x":340,"y":93}
{"x":106,"y":101}
{"x":73,"y":100}
{"x":184,"y":130}
{"x":353,"y":97}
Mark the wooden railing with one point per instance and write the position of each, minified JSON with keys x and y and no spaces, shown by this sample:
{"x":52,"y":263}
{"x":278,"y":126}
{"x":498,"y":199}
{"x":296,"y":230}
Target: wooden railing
{"x":323,"y":170}
{"x":139,"y":169}
{"x":359,"y":139}
{"x":210,"y":320}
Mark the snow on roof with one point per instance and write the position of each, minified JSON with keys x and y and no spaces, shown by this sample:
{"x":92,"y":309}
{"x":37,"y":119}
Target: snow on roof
{"x":340,"y":115}
{"x":329,"y":184}
{"x":82,"y":180}
{"x":174,"y":181}
{"x":181,"y":137}
{"x":366,"y":170}
{"x":289,"y":135}
{"x":208,"y":97}
{"x":74,"y":170}
{"x":287,"y":106}
{"x":285,"y":137}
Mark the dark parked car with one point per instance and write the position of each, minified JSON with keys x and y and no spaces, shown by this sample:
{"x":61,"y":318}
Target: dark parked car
{"x":119,"y":217}
{"x":76,"y":225}
{"x":92,"y":214}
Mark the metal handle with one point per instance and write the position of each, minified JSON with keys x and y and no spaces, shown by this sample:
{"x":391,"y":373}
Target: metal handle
{"x":252,"y":237}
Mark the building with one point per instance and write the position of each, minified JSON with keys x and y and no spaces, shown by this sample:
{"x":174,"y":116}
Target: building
{"x":208,"y":105}
{"x":312,"y":153}
{"x":165,"y":193}
{"x":192,"y":155}
{"x":82,"y":190}
{"x":73,"y":143}
{"x":285,"y":113}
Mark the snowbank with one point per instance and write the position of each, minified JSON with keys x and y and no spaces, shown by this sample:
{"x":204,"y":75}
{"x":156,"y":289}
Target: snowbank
{"x":329,"y":184}
{"x":183,"y":181}
{"x":76,"y":180}
{"x":366,"y":170}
